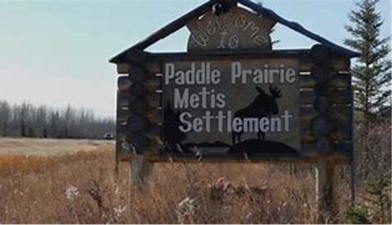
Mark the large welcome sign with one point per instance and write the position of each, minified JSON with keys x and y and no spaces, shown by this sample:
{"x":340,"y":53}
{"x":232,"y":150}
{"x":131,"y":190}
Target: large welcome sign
{"x":246,"y":107}
{"x":230,"y":96}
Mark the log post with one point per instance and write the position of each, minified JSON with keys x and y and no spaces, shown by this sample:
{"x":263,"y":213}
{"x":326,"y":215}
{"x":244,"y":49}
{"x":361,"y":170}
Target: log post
{"x":327,"y":190}
{"x":323,"y":125}
{"x":138,"y":118}
{"x":140,"y":169}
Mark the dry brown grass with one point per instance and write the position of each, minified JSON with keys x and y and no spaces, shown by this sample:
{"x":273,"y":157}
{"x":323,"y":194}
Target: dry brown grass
{"x":33,"y":190}
{"x":48,"y":147}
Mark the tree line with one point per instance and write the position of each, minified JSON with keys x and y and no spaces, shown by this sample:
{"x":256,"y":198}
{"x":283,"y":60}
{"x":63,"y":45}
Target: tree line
{"x":27,"y":120}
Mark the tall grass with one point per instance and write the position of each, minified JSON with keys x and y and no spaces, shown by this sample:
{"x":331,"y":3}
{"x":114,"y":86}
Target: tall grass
{"x":81,"y":188}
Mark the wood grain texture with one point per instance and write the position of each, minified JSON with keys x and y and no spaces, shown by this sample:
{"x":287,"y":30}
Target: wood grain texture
{"x":153,"y":115}
{"x":322,"y":105}
{"x":339,"y":63}
{"x":153,"y":102}
{"x":123,"y":68}
{"x":123,"y":83}
{"x":342,"y":148}
{"x":153,"y":82}
{"x":339,"y":155}
{"x":327,"y":190}
{"x":140,"y":141}
{"x":319,"y":53}
{"x":131,"y":104}
{"x":136,"y":89}
{"x":323,"y":89}
{"x":312,"y":139}
{"x":138,"y":106}
{"x":136,"y":123}
{"x":341,"y":81}
{"x":322,"y":73}
{"x":153,"y":66}
{"x":323,"y":145}
{"x":153,"y":129}
{"x":339,"y":97}
{"x":124,"y":98}
{"x":338,"y":81}
{"x":321,"y":126}
{"x":337,"y":134}
{"x":340,"y":112}
{"x":141,"y":169}
{"x":137,"y":74}
{"x":122,"y":116}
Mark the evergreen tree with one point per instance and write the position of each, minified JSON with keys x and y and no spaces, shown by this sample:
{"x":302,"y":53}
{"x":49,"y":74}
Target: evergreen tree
{"x":372,"y":73}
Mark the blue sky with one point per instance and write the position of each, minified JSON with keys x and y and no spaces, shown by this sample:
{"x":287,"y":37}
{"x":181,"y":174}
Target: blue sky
{"x":56,"y":52}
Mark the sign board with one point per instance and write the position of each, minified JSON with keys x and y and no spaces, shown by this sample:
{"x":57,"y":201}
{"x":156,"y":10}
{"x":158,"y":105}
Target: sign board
{"x":247,"y":107}
{"x":231,"y":97}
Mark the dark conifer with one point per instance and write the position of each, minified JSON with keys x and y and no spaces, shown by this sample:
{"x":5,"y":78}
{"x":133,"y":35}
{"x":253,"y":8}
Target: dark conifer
{"x":372,"y":72}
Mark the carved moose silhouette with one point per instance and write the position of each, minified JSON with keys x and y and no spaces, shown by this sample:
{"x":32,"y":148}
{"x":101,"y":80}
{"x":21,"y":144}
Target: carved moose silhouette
{"x":171,"y":132}
{"x":264,"y":105}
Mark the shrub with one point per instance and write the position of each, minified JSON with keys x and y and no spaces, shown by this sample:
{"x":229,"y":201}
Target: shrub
{"x":356,"y":215}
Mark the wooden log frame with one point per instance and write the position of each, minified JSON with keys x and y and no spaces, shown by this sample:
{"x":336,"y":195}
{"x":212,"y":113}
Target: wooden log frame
{"x":331,"y":120}
{"x":147,"y":90}
{"x":138,"y":112}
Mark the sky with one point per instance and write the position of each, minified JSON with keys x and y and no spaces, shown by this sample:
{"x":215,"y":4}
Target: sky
{"x":56,"y":52}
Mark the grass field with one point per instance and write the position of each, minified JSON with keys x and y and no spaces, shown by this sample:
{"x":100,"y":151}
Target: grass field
{"x":68,"y":181}
{"x":48,"y":147}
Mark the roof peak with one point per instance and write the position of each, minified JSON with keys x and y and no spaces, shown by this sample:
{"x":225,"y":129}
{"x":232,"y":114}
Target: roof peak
{"x":256,"y":7}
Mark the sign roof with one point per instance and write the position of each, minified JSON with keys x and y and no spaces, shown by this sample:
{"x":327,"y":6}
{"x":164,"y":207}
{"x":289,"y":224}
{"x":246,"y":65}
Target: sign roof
{"x":181,"y":22}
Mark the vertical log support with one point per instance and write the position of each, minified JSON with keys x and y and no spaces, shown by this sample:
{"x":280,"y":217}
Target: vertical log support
{"x":327,"y":191}
{"x":323,"y":125}
{"x":138,"y":118}
{"x":140,"y":169}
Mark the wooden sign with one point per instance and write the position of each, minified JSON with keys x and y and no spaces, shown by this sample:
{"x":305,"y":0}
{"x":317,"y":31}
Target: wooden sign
{"x":274,"y":105}
{"x":238,"y":29}
{"x":244,"y":108}
{"x":230,"y":96}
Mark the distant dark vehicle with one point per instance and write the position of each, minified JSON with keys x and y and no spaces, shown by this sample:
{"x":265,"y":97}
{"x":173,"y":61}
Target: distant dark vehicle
{"x":108,"y":136}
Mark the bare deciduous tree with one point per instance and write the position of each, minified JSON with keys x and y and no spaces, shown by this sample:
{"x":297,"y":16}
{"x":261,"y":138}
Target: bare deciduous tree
{"x":27,"y":120}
